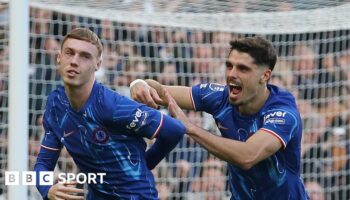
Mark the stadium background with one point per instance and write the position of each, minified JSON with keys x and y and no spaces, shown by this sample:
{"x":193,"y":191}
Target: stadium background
{"x":185,"y":42}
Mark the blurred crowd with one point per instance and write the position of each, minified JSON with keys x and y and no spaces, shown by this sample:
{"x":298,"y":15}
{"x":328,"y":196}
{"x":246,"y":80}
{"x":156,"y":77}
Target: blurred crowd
{"x":314,"y":66}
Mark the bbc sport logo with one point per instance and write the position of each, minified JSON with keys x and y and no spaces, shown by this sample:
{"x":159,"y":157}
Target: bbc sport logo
{"x":47,"y":178}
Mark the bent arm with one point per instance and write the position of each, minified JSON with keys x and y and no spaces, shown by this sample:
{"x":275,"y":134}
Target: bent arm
{"x":181,"y":94}
{"x":141,"y":121}
{"x":169,"y":136}
{"x":258,"y":147}
{"x":153,"y":94}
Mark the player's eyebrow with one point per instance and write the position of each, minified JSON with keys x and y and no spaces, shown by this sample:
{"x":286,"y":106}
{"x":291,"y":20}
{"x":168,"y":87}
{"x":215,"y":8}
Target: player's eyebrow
{"x":238,"y":65}
{"x":82,"y":53}
{"x":242,"y":66}
{"x":228,"y":64}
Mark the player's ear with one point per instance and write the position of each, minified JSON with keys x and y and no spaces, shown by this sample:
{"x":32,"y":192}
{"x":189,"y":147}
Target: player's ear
{"x":99,"y":63}
{"x":266,"y":75}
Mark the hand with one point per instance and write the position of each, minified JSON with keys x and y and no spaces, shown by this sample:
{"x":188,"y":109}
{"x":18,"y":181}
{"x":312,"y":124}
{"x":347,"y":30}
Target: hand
{"x":145,"y":94}
{"x":65,"y":191}
{"x":176,"y":111}
{"x":183,"y":167}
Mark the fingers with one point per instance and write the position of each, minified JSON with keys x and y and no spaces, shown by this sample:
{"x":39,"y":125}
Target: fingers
{"x":172,"y":106}
{"x":66,"y":191}
{"x":167,"y":97}
{"x":137,"y":85}
{"x":151,"y":98}
{"x":162,"y":92}
{"x":57,"y":198}
{"x":155,"y":97}
{"x":72,"y":190}
{"x":144,"y":94}
{"x":65,"y":196}
{"x":175,"y":110}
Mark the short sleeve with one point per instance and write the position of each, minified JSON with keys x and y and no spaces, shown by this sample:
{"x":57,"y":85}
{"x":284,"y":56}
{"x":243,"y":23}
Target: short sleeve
{"x":282,"y":123}
{"x":50,"y":140}
{"x":137,"y":119}
{"x":208,"y":97}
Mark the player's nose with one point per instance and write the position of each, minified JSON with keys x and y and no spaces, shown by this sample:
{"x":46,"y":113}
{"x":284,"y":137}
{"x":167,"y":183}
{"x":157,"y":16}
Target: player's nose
{"x":232,"y":72}
{"x":74,"y":60}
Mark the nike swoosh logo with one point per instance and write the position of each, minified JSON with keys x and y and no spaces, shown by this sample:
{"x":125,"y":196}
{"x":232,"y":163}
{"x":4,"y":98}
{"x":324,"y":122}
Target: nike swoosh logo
{"x":222,"y":127}
{"x":67,"y":134}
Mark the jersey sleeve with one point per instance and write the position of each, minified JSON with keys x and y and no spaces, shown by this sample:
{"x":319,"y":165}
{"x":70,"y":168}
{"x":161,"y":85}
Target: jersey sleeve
{"x":281,"y":123}
{"x":137,"y":119}
{"x":142,"y":121}
{"x":50,"y":140}
{"x":170,"y":134}
{"x":48,"y":155}
{"x":208,"y":97}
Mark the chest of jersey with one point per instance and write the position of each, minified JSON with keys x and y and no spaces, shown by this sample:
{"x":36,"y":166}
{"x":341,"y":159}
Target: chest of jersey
{"x":85,"y":136}
{"x":235,"y":127}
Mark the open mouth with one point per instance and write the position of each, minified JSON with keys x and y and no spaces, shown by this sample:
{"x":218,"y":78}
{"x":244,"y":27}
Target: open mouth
{"x":235,"y":88}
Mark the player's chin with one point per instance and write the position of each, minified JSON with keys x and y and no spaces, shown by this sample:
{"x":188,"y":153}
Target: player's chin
{"x":233,"y":101}
{"x":71,"y":81}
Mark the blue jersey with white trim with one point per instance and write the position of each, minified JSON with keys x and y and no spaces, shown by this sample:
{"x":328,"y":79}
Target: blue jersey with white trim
{"x":278,"y":176}
{"x":105,"y":136}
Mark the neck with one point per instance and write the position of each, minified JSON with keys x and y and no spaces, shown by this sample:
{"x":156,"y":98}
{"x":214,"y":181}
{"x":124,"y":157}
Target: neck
{"x":78,"y":95}
{"x":254,"y":105}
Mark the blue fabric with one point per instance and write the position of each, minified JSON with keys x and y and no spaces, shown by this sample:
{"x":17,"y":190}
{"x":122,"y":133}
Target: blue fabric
{"x":168,"y":137}
{"x":107,"y":136}
{"x":278,"y":176}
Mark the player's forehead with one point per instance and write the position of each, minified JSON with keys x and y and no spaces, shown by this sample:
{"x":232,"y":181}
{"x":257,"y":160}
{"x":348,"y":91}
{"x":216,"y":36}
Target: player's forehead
{"x":80,"y":46}
{"x":240,"y":58}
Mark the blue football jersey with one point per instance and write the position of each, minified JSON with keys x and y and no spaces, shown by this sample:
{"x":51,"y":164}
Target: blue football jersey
{"x":105,"y":136}
{"x":278,"y":176}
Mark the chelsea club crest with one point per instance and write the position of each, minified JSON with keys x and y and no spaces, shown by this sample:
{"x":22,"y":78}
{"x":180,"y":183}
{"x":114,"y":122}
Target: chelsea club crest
{"x":99,"y":135}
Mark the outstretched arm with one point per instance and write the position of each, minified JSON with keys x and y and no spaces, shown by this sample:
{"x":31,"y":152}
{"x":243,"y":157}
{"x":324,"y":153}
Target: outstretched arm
{"x":151,"y":93}
{"x":243,"y":154}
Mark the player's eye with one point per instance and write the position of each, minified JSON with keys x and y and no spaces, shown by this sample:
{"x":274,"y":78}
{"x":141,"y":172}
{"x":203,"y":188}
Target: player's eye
{"x":243,"y":68}
{"x":86,"y":56}
{"x":69,"y":53}
{"x":229,"y":65}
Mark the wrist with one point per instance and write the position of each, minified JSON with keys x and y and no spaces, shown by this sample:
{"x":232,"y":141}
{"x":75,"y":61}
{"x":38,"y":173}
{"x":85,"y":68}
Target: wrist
{"x":139,"y":81}
{"x":190,"y":128}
